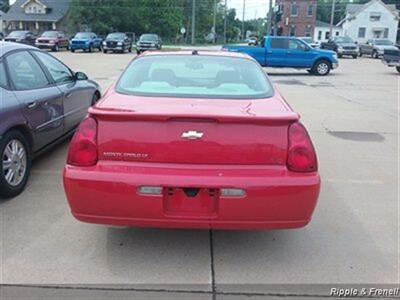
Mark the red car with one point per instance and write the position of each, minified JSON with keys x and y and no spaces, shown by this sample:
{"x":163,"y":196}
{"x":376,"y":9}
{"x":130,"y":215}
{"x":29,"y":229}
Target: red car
{"x":53,"y":40}
{"x":192,"y":140}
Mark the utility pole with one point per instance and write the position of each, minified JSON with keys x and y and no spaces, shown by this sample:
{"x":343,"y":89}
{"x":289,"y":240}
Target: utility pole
{"x":215,"y":21}
{"x":226,"y":4}
{"x":270,"y":16}
{"x":332,"y":19}
{"x":244,"y":13}
{"x":193,"y":21}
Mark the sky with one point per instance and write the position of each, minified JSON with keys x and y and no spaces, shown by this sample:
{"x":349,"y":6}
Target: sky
{"x":254,"y":8}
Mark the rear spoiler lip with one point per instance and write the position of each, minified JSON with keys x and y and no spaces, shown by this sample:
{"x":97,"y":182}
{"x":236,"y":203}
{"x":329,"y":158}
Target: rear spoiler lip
{"x":111,"y":114}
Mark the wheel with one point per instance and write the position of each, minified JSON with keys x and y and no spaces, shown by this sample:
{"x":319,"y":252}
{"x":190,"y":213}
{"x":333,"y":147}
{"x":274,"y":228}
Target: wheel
{"x":95,"y":98}
{"x":73,"y":50}
{"x":355,"y":56}
{"x":130,"y":49}
{"x":137,"y":52}
{"x":55,"y":48}
{"x":374,"y":54}
{"x":322,"y":67}
{"x":16,"y":164}
{"x":360,"y":54}
{"x":105,"y":51}
{"x":340,"y":55}
{"x":90,"y":49}
{"x":398,"y":69}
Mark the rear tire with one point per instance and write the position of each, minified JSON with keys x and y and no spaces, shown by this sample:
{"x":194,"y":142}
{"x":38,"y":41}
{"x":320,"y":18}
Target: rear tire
{"x":321,"y":67}
{"x":105,"y":51}
{"x":13,"y":185}
{"x":130,"y":50}
{"x":398,"y":69}
{"x":90,"y":50}
{"x":374,"y":54}
{"x":355,"y":56}
{"x":340,"y":55}
{"x":73,"y":50}
{"x":55,"y":48}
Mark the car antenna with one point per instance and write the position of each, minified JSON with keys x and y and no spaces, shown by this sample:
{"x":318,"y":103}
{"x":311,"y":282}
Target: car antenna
{"x":195,"y":52}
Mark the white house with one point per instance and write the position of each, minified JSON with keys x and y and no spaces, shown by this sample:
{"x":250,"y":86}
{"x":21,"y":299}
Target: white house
{"x":322,"y":31}
{"x":374,"y":19}
{"x":1,"y":21}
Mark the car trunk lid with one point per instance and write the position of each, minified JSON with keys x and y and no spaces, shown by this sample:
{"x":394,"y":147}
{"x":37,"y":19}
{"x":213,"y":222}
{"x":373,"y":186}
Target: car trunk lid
{"x":193,"y":131}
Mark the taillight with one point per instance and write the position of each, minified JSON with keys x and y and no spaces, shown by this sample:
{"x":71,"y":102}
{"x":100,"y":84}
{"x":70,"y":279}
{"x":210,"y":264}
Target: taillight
{"x":83,"y":148}
{"x":301,"y":153}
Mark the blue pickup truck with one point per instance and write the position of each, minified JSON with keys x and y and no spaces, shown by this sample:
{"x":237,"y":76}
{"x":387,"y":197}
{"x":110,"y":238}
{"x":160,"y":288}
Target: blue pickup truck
{"x":289,"y":52}
{"x":86,"y":41}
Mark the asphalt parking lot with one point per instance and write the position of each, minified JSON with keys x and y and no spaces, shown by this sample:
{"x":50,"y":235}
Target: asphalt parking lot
{"x":353,"y":118}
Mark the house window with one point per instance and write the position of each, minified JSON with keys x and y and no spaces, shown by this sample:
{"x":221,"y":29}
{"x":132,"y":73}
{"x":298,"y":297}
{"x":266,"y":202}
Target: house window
{"x":319,"y":35}
{"x":386,"y":33}
{"x":337,"y":33}
{"x":294,"y":9}
{"x":308,"y":30}
{"x":292,"y":31}
{"x":374,"y":17}
{"x":310,"y":10}
{"x":361,"y":32}
{"x":281,"y":7}
{"x":327,"y":35}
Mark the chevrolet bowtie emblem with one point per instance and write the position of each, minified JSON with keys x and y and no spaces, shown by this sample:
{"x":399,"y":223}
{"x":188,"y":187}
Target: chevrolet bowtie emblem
{"x":192,"y":135}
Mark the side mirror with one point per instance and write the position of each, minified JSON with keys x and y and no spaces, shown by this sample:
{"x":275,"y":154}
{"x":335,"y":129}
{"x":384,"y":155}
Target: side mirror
{"x":80,"y":76}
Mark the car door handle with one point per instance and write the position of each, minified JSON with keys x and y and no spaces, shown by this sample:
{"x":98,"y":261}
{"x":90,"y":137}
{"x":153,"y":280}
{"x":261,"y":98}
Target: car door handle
{"x":31,"y":105}
{"x":68,"y":95}
{"x":269,"y":51}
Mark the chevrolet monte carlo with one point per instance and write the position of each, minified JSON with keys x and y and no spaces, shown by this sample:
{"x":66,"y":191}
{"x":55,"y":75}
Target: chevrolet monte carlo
{"x":192,"y":140}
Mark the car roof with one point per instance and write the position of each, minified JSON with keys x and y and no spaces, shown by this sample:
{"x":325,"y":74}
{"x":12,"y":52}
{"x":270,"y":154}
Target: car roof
{"x":6,"y":47}
{"x":199,"y":52}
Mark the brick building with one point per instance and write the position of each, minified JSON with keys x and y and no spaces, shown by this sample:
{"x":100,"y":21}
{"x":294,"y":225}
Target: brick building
{"x":297,"y":17}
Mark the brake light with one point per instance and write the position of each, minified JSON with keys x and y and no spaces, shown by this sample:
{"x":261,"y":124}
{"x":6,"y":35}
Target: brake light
{"x":83,"y":148}
{"x":301,"y":153}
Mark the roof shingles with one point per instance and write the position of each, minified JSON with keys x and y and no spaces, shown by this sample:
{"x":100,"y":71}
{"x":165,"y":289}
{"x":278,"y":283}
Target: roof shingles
{"x":57,"y":10}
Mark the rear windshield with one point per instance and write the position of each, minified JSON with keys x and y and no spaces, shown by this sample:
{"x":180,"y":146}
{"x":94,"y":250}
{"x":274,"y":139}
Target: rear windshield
{"x":195,"y":76}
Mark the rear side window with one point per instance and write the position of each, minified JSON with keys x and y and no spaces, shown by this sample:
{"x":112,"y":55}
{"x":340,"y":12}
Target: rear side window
{"x":278,"y":43}
{"x":58,"y":71}
{"x":3,"y":76}
{"x":25,"y":72}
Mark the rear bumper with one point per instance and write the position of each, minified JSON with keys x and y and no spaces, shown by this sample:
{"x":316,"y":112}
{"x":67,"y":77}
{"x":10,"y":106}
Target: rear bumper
{"x":107,"y":194}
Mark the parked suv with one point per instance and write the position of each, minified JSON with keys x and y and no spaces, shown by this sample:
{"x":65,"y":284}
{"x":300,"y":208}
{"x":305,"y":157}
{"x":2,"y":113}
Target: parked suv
{"x":148,"y":41}
{"x":342,"y":45}
{"x":117,"y":41}
{"x":54,"y":40}
{"x":21,"y":36}
{"x":42,"y":101}
{"x":376,"y":47}
{"x":86,"y":41}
